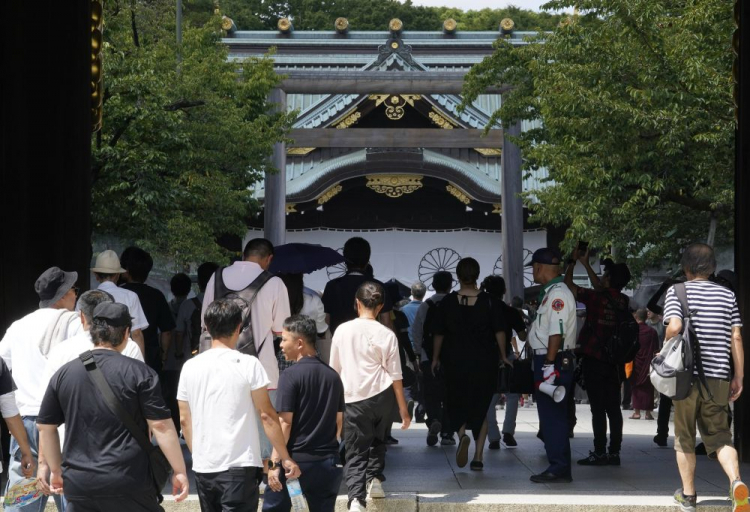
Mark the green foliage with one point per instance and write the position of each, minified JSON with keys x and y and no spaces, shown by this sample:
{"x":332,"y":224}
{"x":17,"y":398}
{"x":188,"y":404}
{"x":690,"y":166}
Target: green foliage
{"x":366,"y":15}
{"x":635,"y":97}
{"x":182,"y":141}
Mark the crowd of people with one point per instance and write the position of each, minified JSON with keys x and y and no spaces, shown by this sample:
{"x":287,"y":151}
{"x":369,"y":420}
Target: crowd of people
{"x":269,"y":382}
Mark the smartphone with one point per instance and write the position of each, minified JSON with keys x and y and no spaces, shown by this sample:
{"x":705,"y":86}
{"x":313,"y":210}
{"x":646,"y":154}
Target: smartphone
{"x":582,"y":248}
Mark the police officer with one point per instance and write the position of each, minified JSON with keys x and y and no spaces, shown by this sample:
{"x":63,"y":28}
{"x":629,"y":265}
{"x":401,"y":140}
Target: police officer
{"x":552,"y":337}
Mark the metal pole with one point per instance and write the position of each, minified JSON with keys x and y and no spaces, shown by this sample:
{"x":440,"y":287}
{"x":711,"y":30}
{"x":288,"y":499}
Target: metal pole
{"x":512,"y":215}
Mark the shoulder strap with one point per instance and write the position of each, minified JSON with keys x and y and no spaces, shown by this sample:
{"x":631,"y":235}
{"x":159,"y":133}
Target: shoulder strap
{"x":695,"y":348}
{"x":681,"y":292}
{"x":96,"y":375}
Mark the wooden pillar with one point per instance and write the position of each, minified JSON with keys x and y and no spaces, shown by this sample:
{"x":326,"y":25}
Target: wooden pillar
{"x":512,"y":216}
{"x":274,"y":208}
{"x":742,"y":225}
{"x":45,"y":167}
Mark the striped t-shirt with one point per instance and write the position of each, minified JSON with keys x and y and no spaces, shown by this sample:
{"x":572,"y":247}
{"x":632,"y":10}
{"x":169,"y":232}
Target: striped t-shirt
{"x":715,"y":313}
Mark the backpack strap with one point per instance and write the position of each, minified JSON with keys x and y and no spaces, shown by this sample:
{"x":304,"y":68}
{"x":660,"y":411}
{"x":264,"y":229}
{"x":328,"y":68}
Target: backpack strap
{"x":695,"y":349}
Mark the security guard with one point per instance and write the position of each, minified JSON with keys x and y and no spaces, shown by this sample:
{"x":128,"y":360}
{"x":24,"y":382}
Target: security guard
{"x":552,"y":337}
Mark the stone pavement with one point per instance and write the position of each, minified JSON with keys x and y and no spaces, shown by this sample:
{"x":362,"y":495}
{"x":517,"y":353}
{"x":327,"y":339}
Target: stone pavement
{"x":427,"y":479}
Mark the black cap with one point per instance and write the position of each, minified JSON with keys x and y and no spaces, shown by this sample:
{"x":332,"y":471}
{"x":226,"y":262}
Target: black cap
{"x":545,"y":256}
{"x":114,"y":314}
{"x":53,"y":284}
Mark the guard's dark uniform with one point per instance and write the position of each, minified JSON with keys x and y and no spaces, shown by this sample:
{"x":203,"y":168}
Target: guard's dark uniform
{"x":556,"y":315}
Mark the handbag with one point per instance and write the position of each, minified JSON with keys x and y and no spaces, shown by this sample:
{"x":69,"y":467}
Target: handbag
{"x":522,"y":374}
{"x":160,"y":466}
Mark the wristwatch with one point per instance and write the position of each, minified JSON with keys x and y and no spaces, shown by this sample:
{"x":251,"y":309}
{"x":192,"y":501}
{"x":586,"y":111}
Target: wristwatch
{"x":274,"y":464}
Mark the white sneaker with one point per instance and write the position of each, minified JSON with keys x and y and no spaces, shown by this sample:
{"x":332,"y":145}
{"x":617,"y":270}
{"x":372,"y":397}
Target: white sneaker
{"x":375,"y":489}
{"x":356,"y":506}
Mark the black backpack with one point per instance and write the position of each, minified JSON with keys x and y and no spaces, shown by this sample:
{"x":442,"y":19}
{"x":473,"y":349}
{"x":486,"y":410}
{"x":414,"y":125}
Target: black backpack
{"x":244,"y":299}
{"x":622,"y":345}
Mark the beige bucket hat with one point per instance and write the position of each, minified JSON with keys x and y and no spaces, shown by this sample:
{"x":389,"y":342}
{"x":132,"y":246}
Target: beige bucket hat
{"x":108,"y":263}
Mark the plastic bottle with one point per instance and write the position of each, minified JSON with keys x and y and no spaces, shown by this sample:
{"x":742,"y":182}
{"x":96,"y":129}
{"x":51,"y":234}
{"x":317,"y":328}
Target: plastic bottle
{"x":299,"y":503}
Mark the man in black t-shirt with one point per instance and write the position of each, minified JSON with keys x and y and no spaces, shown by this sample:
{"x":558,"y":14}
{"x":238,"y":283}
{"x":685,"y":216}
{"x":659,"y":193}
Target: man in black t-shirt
{"x":338,"y":296}
{"x":158,"y":335}
{"x":104,"y":467}
{"x":310,"y":401}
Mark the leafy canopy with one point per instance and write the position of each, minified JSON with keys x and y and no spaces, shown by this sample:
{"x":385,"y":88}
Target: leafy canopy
{"x":181,"y":142}
{"x":635,"y":100}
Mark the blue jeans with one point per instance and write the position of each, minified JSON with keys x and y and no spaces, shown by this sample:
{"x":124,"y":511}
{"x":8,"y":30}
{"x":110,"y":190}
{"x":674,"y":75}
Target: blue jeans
{"x":320,"y":483}
{"x":15,"y":474}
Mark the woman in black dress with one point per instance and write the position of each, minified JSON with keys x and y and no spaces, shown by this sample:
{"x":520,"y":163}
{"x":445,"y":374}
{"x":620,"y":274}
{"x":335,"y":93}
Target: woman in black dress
{"x":468,"y":335}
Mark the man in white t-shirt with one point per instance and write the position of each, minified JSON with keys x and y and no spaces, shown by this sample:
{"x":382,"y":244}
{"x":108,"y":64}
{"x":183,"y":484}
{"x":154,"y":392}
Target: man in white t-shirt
{"x":269,"y":310}
{"x":219,"y":393}
{"x":107,"y":271}
{"x":24,"y":349}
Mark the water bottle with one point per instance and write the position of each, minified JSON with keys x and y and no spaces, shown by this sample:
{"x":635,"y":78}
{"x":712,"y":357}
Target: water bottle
{"x":299,"y":503}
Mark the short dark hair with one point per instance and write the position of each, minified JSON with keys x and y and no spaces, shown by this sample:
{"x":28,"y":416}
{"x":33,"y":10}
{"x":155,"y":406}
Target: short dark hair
{"x":467,"y":270}
{"x":205,"y":271}
{"x":371,"y":294}
{"x":88,"y":301}
{"x":699,"y":260}
{"x":222,"y":318}
{"x":137,"y":262}
{"x":641,"y":314}
{"x":494,"y":285}
{"x":442,"y":281}
{"x":259,"y":248}
{"x":357,"y":252}
{"x":103,"y":276}
{"x":180,"y":284}
{"x":102,"y":332}
{"x":303,"y":326}
{"x":619,"y":275}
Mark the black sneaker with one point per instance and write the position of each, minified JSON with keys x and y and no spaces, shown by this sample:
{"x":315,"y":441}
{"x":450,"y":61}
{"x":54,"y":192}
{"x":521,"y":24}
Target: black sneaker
{"x":613,"y":459}
{"x":686,"y":503}
{"x":391,"y":440}
{"x":432,"y":433}
{"x":660,"y":440}
{"x":447,"y":441}
{"x":494,"y":445}
{"x":509,"y":441}
{"x":594,"y":459}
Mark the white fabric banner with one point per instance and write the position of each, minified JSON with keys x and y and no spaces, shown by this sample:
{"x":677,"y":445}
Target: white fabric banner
{"x":411,"y":256}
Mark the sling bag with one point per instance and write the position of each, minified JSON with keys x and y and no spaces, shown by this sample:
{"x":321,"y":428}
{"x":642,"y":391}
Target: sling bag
{"x":160,"y":467}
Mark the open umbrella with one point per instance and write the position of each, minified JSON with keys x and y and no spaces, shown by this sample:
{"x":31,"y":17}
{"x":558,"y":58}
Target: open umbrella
{"x":299,"y":258}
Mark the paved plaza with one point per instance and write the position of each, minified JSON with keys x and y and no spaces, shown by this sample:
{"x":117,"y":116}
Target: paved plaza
{"x":422,"y":478}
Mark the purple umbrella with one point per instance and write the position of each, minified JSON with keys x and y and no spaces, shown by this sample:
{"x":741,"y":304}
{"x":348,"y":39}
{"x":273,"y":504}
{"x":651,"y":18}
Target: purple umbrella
{"x":298,"y":258}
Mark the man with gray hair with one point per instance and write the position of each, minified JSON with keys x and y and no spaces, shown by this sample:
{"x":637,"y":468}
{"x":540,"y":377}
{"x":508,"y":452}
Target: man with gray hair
{"x":69,"y":350}
{"x":715,"y":319}
{"x":106,"y":468}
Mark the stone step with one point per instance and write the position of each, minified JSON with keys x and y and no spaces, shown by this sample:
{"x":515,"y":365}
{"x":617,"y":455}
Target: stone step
{"x":470,"y":501}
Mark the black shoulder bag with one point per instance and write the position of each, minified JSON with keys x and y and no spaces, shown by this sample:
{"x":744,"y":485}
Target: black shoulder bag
{"x":160,"y":467}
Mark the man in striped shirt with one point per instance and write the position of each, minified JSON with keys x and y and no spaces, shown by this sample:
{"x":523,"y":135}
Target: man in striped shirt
{"x":716,"y":320}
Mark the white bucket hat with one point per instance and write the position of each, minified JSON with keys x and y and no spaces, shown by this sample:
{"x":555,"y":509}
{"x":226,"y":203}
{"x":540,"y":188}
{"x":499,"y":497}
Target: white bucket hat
{"x":108,"y":263}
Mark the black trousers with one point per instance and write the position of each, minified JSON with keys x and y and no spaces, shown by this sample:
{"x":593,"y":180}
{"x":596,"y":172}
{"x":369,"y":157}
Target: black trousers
{"x":233,"y":490}
{"x":603,"y":388}
{"x":433,"y":391}
{"x":139,"y":503}
{"x":662,"y":421}
{"x":320,"y":483}
{"x":365,"y":426}
{"x":627,"y":393}
{"x":169,"y":382}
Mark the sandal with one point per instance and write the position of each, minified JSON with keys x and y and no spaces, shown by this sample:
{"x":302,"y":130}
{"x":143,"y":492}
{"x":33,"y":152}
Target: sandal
{"x":635,"y":417}
{"x":649,"y":417}
{"x":462,"y":451}
{"x":476,"y":465}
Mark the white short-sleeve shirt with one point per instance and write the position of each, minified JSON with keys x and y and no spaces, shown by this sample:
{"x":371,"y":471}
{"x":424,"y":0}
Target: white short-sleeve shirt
{"x":20,"y":350}
{"x":130,"y":299}
{"x":313,"y":307}
{"x":217,"y":386}
{"x":270,"y":309}
{"x":555,"y":315}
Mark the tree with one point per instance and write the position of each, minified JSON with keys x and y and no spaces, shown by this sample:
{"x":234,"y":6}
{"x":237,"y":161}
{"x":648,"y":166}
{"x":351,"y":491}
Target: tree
{"x":635,"y":97}
{"x":183,"y":140}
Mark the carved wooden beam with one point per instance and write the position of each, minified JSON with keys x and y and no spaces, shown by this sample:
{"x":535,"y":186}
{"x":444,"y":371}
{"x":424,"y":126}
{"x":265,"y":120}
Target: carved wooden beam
{"x":395,"y":138}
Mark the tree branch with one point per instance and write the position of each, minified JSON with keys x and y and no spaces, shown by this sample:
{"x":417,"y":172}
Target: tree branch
{"x":133,"y":25}
{"x":120,"y":131}
{"x":183,"y":104}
